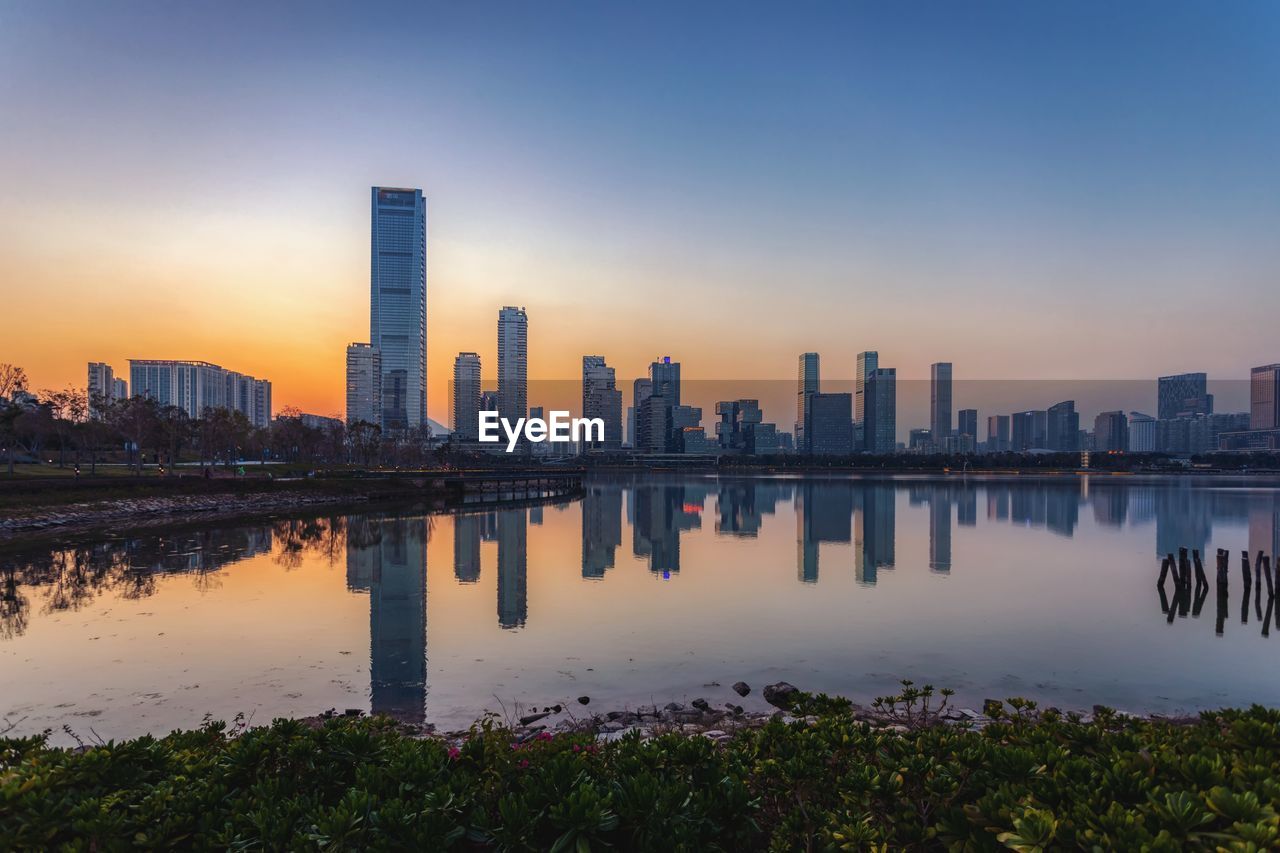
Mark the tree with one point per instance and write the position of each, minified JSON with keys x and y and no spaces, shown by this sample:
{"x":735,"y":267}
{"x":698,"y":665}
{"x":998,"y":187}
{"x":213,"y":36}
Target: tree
{"x":138,"y":420}
{"x":68,"y":408}
{"x":12,"y":380}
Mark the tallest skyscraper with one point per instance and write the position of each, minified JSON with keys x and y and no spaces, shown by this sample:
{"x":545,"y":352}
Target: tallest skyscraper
{"x":398,"y":304}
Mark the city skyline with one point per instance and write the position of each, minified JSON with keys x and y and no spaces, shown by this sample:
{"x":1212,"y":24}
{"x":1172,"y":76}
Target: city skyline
{"x":884,"y":194}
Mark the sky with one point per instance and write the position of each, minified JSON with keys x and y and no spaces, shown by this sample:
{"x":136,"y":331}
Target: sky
{"x":1028,"y":190}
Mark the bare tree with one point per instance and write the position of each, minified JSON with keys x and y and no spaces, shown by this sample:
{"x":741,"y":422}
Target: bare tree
{"x":12,"y":380}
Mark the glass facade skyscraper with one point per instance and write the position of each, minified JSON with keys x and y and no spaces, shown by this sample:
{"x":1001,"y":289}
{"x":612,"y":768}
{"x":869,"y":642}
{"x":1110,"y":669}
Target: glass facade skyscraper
{"x":940,"y":402}
{"x":513,"y":364}
{"x":1183,"y":395}
{"x":398,"y":304}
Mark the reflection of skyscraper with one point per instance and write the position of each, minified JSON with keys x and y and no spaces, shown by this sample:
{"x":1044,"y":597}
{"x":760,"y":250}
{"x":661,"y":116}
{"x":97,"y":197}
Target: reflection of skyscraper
{"x":824,"y":513}
{"x":1183,"y":518}
{"x":601,"y":528}
{"x":742,"y":504}
{"x":466,"y":548}
{"x":940,"y":530}
{"x":513,"y":567}
{"x":388,"y":557}
{"x":662,"y":513}
{"x":874,"y":531}
{"x":1264,"y":524}
{"x":1062,"y":508}
{"x":967,"y":506}
{"x":1110,"y":503}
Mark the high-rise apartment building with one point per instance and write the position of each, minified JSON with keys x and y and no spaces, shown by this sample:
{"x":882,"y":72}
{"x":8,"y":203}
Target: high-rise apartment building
{"x":101,"y":387}
{"x":195,"y":386}
{"x":1183,"y":395}
{"x":513,"y":363}
{"x":398,"y":304}
{"x":364,"y":384}
{"x":602,"y":399}
{"x":940,"y":403}
{"x":465,"y":421}
{"x":880,"y":415}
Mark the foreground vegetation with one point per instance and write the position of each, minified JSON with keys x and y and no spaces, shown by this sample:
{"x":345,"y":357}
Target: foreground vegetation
{"x":1027,"y":782}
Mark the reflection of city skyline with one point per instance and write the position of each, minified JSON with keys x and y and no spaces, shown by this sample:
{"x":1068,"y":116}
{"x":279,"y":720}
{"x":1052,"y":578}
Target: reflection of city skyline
{"x":387,"y":558}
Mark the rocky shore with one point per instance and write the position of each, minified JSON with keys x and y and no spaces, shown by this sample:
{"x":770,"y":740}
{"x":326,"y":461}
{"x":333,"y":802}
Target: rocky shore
{"x":133,"y":511}
{"x":700,"y":718}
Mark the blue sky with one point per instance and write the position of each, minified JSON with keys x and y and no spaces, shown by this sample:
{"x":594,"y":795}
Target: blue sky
{"x":1026,"y":189}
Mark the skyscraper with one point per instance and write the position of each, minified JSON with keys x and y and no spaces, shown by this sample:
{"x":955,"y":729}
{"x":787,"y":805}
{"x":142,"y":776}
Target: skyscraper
{"x":997,"y":433}
{"x":940,"y":403}
{"x":655,"y":412}
{"x":364,"y":384}
{"x":513,"y":364}
{"x":967,"y":423}
{"x":829,"y":424}
{"x":867,"y":364}
{"x":807,"y":382}
{"x":880,"y":417}
{"x":1264,"y":397}
{"x":1183,"y":395}
{"x":101,"y":388}
{"x":602,"y":399}
{"x":398,"y":304}
{"x":466,"y":397}
{"x":1063,"y":426}
{"x":1111,"y":431}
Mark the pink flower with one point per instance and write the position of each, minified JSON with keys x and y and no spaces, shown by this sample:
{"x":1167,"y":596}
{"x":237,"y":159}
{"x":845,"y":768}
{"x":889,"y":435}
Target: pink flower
{"x":544,"y":735}
{"x":454,"y":753}
{"x":524,"y":763}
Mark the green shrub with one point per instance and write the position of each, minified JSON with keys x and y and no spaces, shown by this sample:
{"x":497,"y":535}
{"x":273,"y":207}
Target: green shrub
{"x":1026,"y":782}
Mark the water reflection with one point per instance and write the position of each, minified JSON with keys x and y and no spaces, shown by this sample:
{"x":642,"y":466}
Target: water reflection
{"x":892,"y":541}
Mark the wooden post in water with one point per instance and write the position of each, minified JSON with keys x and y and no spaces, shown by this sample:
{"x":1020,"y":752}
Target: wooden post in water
{"x":1201,"y":580}
{"x":1223,"y":558}
{"x":1244,"y":569}
{"x":1265,"y":562}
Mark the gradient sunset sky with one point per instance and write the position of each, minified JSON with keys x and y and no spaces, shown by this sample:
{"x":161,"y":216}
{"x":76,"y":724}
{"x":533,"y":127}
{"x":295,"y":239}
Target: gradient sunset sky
{"x":1065,"y":190}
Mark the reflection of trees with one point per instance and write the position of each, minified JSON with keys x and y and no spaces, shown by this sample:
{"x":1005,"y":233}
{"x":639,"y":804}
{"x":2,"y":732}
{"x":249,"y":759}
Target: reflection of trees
{"x":321,"y":536}
{"x":70,"y":577}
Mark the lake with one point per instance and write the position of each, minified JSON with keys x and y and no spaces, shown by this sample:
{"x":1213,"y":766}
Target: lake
{"x":650,"y":588}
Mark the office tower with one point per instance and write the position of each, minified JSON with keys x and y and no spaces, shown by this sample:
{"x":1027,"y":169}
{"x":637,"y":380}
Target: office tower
{"x":364,"y":384}
{"x":829,"y":424}
{"x":1029,"y":430}
{"x":807,"y":382}
{"x":940,"y":403}
{"x":513,"y":363}
{"x":488,"y":401}
{"x":1063,"y":426}
{"x":1142,"y":433}
{"x":195,"y":386}
{"x":665,"y":376}
{"x":997,"y":433}
{"x":465,"y":422}
{"x":1264,"y":397}
{"x":1182,"y":395}
{"x":602,"y":399}
{"x":880,"y":417}
{"x":1111,"y":431}
{"x":868,"y":363}
{"x":120,"y":389}
{"x":101,"y":388}
{"x":658,"y":408}
{"x":398,"y":304}
{"x":967,"y":423}
{"x":740,"y":428}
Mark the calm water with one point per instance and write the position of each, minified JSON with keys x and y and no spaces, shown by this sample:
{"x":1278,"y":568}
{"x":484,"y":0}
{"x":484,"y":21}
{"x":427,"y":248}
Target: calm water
{"x":650,"y":588}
